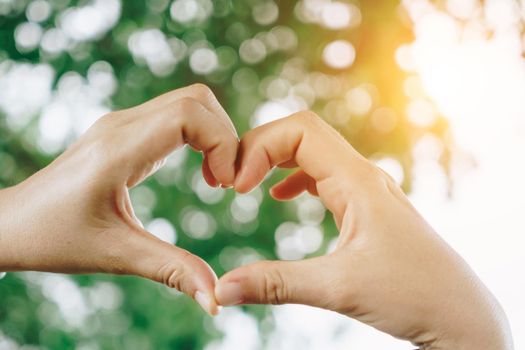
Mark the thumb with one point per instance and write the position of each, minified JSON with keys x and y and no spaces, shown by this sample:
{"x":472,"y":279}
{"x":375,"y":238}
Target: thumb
{"x":162,"y":262}
{"x":276,"y":282}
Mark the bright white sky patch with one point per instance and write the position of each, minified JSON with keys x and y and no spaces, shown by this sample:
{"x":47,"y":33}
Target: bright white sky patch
{"x":478,"y":83}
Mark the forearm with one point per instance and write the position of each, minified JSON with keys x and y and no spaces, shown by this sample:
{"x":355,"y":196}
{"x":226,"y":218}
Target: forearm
{"x":486,"y":329}
{"x":20,"y":224}
{"x":7,"y":231}
{"x":467,"y":315}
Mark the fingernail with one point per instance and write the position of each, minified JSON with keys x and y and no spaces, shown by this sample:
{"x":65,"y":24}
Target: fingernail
{"x":229,"y":294}
{"x":206,"y":303}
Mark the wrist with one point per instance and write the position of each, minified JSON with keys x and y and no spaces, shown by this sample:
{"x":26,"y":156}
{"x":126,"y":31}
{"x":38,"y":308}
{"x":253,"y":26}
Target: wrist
{"x":483,"y":327}
{"x":492,"y":340}
{"x":5,"y":228}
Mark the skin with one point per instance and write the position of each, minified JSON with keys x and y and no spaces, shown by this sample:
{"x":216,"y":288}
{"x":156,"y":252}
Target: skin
{"x":390,"y":269}
{"x":75,"y":215}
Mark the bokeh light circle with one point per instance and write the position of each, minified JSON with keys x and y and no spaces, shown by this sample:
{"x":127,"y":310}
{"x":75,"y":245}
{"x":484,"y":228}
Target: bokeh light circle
{"x":339,"y":54}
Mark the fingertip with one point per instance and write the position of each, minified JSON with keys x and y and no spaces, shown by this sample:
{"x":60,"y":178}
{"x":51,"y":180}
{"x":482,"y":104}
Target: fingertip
{"x":240,"y":185}
{"x":229,"y":293}
{"x":207,"y":302}
{"x":207,"y":174}
{"x":242,"y":189}
{"x":200,"y":276}
{"x":204,"y":282}
{"x":234,"y":287}
{"x":275,"y":191}
{"x":212,"y":182}
{"x":224,"y":178}
{"x":281,"y":192}
{"x":230,"y":177}
{"x":248,"y":178}
{"x":222,"y":167}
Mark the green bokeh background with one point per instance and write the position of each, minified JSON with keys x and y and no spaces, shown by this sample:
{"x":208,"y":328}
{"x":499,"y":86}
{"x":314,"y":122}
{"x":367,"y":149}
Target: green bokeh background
{"x":151,"y":316}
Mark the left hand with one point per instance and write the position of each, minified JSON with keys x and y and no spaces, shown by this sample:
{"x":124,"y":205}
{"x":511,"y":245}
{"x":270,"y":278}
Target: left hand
{"x":75,"y":215}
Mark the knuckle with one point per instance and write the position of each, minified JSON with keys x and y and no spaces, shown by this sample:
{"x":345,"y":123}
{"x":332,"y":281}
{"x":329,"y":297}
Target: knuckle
{"x":175,"y":278}
{"x":248,"y":137}
{"x":307,"y":118}
{"x":172,"y":275}
{"x":201,"y":91}
{"x":222,"y":158}
{"x":386,"y":179}
{"x":93,"y":157}
{"x":186,"y":105}
{"x":389,"y":187}
{"x":110,"y":120}
{"x":109,"y":117}
{"x":246,"y":144}
{"x":231,"y":145}
{"x":97,"y":156}
{"x":365,"y":171}
{"x":102,"y":124}
{"x":376,"y":176}
{"x":102,"y":132}
{"x":273,"y":287}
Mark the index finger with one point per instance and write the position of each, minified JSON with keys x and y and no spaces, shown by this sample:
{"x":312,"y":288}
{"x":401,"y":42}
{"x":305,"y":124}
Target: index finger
{"x":199,"y":92}
{"x":187,"y":121}
{"x":319,"y":150}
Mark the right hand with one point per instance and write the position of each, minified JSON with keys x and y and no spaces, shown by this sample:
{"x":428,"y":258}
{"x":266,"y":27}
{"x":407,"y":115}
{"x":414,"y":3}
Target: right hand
{"x":390,"y":269}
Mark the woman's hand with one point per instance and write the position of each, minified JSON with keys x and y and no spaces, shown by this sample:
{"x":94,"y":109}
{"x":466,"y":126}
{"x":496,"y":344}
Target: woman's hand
{"x":75,"y":215}
{"x":389,"y":270}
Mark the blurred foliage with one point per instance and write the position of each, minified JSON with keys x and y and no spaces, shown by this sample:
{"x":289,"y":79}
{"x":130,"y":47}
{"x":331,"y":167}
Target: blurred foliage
{"x":149,"y":315}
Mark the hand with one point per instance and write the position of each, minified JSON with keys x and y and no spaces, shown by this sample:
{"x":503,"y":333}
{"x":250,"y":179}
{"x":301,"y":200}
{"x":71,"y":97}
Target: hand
{"x":75,"y":215}
{"x":389,"y":270}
